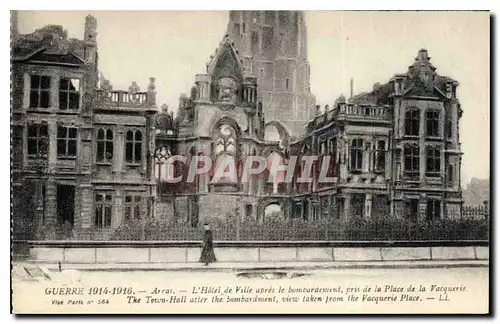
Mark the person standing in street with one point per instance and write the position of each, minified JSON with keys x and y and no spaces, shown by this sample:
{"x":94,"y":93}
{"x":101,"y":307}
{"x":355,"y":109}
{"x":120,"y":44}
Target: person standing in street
{"x":207,"y":252}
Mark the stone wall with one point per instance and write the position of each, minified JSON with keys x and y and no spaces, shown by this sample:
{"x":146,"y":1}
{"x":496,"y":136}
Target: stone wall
{"x":191,"y":253}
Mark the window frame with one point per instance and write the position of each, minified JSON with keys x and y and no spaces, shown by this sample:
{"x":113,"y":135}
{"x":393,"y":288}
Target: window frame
{"x":450,"y":175}
{"x":433,"y":213}
{"x":357,"y":152}
{"x":432,"y":124}
{"x":68,"y":93}
{"x":379,"y":160}
{"x":412,"y":117}
{"x":433,"y":157}
{"x":39,"y":90}
{"x":103,"y":144}
{"x":408,"y":208}
{"x":135,"y":143}
{"x":103,"y":219}
{"x":133,"y":208}
{"x":40,"y":140}
{"x":67,"y":139}
{"x":414,"y":157}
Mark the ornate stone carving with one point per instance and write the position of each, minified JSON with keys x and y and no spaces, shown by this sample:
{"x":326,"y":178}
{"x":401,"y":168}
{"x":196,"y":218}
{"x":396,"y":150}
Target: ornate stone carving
{"x":225,"y":140}
{"x":162,"y":154}
{"x":194,"y":93}
{"x":227,"y":90}
{"x":105,"y":86}
{"x":151,"y":86}
{"x":421,"y":75}
{"x":134,"y":88}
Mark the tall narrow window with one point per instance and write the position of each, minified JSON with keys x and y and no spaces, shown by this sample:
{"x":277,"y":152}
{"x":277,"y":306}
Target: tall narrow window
{"x":103,"y":208}
{"x":412,"y":122}
{"x":432,"y":123}
{"x":104,"y":145}
{"x":287,"y":84}
{"x":433,"y":209}
{"x":40,"y":91}
{"x":38,"y":140}
{"x":411,"y":209}
{"x":244,"y":28}
{"x":412,"y":161}
{"x":133,"y":206}
{"x":133,"y":147}
{"x":433,"y":161}
{"x":66,"y":142}
{"x":333,"y":153}
{"x":69,"y":93}
{"x":356,"y":155}
{"x":449,"y":126}
{"x":380,"y":156}
{"x":248,"y":210}
{"x":449,"y":175}
{"x":255,"y":41}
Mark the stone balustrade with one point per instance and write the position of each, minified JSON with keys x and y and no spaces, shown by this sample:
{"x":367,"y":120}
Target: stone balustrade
{"x":377,"y":112}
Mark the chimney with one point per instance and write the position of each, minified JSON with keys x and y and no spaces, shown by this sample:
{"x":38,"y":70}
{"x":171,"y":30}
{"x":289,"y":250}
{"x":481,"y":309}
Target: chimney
{"x":90,"y":40}
{"x":90,"y":51}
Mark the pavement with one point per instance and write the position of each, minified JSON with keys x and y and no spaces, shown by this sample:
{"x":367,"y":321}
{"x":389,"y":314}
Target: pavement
{"x":239,"y":266}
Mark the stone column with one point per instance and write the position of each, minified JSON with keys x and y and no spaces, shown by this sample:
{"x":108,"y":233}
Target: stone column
{"x":77,"y":212}
{"x":51,"y":209}
{"x":347,"y":206}
{"x":118,"y":209}
{"x":422,"y":207}
{"x":368,"y":206}
{"x":52,"y":158}
{"x":422,"y":163}
{"x":367,"y":152}
{"x":26,"y":93}
{"x":86,"y":205}
{"x":388,"y":158}
{"x":118,"y":149}
{"x":203,"y":84}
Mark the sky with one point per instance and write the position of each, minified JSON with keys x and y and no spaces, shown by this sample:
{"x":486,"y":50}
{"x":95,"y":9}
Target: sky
{"x":369,"y":47}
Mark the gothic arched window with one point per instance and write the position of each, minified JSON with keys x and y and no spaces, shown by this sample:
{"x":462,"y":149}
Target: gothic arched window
{"x":225,"y":140}
{"x":162,"y":170}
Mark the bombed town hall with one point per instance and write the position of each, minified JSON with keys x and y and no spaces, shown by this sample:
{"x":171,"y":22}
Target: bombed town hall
{"x":248,"y":140}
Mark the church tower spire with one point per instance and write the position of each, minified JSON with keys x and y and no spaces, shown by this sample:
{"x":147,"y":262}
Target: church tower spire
{"x":273,"y":46}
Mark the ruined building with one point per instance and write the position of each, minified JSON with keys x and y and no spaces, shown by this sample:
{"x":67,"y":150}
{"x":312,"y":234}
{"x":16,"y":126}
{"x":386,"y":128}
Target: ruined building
{"x":273,"y":47}
{"x":86,"y":158}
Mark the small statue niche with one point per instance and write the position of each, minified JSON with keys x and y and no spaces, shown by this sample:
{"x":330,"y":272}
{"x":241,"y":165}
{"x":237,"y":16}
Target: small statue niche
{"x":227,"y":90}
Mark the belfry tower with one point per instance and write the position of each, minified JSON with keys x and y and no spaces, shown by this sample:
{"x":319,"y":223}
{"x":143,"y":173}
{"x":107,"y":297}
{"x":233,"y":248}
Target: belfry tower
{"x":273,"y":47}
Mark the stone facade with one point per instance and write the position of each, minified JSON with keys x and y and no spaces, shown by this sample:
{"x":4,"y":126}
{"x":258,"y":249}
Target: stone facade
{"x":398,"y":144}
{"x":86,"y":157}
{"x":83,"y":151}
